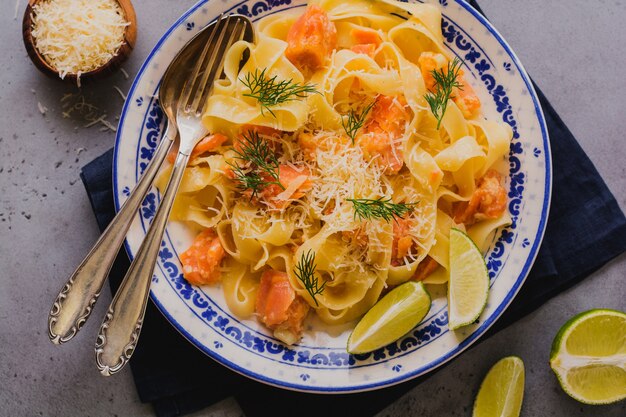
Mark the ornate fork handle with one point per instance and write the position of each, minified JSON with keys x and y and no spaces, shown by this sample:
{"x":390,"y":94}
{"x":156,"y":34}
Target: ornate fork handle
{"x":121,"y":326}
{"x":73,"y":305}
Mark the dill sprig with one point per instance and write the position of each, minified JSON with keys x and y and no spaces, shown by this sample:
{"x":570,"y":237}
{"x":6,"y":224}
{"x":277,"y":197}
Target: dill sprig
{"x":272,"y":92}
{"x":382,"y":208}
{"x":249,"y":180}
{"x":305,"y":272}
{"x":445,"y":82}
{"x":260,"y":164}
{"x":355,"y":121}
{"x":255,"y":150}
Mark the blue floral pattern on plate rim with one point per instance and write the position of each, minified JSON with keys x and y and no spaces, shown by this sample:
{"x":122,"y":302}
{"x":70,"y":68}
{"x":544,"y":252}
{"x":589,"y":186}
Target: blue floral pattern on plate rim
{"x":319,"y":358}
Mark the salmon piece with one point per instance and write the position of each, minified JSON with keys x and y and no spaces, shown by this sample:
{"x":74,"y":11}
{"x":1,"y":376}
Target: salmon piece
{"x":488,"y":200}
{"x":388,"y":115}
{"x":384,"y":128}
{"x":274,"y":297}
{"x":362,"y":36}
{"x":357,"y":236}
{"x":290,"y":330}
{"x":277,"y":304}
{"x":429,"y":62}
{"x":425,"y":268}
{"x":368,"y":49}
{"x":229,"y":172}
{"x":311,"y":39}
{"x":464,"y":97}
{"x":366,"y":41}
{"x":269,"y":134}
{"x":403,"y":246}
{"x":202,"y":260}
{"x":208,"y":144}
{"x":308,"y":145}
{"x":402,"y":241}
{"x":286,"y":176}
{"x":266,"y":133}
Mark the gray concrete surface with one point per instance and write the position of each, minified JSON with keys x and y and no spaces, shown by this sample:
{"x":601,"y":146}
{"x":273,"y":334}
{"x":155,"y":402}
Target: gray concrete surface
{"x":573,"y":49}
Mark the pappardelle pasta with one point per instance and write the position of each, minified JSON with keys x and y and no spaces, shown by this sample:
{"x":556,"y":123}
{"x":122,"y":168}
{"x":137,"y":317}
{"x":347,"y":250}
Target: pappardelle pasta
{"x":340,"y":156}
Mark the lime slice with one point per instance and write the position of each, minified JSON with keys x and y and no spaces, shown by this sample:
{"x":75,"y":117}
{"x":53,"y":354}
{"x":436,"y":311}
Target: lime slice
{"x":392,"y":317}
{"x":589,"y":356}
{"x":468,"y":285}
{"x":502,"y":391}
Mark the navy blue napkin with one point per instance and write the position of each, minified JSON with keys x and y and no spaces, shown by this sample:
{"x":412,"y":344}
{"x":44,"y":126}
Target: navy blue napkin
{"x":585,"y":230}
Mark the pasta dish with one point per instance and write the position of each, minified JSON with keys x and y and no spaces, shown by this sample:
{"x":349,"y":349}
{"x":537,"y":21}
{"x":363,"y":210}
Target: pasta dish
{"x":340,"y":156}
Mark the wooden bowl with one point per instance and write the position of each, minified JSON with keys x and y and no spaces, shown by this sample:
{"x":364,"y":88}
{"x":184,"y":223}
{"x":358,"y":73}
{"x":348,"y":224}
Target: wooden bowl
{"x":130,"y":36}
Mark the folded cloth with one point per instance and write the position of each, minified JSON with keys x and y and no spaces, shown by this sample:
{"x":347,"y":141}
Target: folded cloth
{"x":585,"y":230}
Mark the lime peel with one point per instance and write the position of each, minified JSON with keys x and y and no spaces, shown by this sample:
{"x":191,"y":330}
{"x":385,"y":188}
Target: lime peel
{"x":468,"y":286}
{"x":502,"y":391}
{"x":589,"y":356}
{"x":390,"y":318}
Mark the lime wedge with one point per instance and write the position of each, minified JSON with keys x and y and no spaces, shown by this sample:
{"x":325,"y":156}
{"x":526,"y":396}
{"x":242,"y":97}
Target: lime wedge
{"x":502,"y":391}
{"x":392,"y":317}
{"x":468,"y":285}
{"x":589,"y":356}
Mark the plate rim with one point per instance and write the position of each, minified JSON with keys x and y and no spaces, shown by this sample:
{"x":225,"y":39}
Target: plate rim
{"x":458,"y":349}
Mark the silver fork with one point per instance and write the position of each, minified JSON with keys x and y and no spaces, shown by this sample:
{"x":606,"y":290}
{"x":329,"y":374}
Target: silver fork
{"x":119,"y":332}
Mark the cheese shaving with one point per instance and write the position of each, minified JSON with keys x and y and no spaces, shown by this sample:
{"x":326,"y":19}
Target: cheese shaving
{"x":77,"y":36}
{"x":285,"y":195}
{"x":120,"y":92}
{"x":76,"y":105}
{"x":17,"y":8}
{"x":42,"y":109}
{"x":342,"y":173}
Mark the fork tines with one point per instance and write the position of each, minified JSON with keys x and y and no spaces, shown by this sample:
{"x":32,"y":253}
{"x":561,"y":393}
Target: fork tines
{"x":210,"y":63}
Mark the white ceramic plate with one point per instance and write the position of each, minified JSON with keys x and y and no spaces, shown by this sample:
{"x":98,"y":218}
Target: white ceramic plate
{"x":320,"y":362}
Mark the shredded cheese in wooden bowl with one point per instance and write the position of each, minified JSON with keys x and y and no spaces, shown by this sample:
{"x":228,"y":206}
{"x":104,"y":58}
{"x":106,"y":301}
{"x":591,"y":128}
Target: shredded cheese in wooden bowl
{"x":78,"y":36}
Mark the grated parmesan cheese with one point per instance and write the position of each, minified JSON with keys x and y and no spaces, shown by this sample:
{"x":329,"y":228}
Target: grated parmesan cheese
{"x":76,"y":105}
{"x":116,"y":88}
{"x":342,"y":173}
{"x":42,"y":109}
{"x":77,"y":36}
